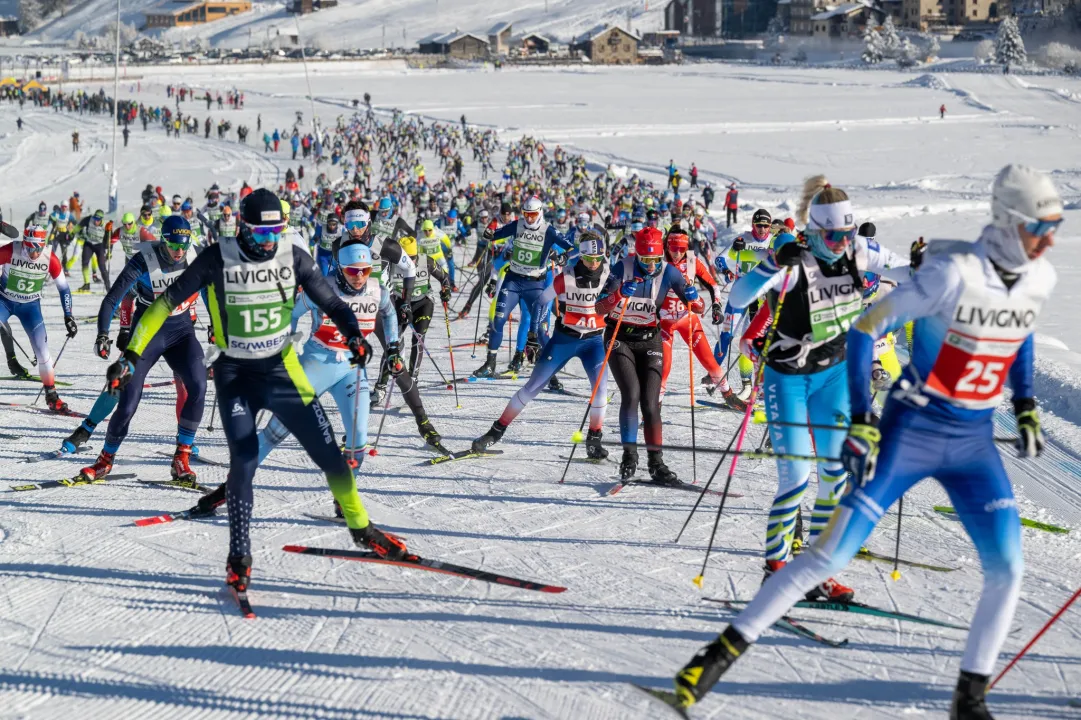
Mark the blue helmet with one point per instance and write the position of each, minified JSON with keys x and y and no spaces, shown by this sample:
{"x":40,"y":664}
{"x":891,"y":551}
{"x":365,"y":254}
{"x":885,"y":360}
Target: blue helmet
{"x":186,"y":205}
{"x":452,"y":214}
{"x":385,"y":203}
{"x":176,"y":231}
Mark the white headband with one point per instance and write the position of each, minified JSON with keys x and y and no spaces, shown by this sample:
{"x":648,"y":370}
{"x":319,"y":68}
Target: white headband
{"x":833,"y":216}
{"x":357,"y":214}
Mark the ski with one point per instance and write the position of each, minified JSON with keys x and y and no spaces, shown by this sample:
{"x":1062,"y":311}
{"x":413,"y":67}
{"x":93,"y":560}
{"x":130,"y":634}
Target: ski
{"x":54,"y":454}
{"x":682,"y":486}
{"x":196,"y":457}
{"x":855,"y":608}
{"x":471,"y":379}
{"x":715,"y":405}
{"x":1025,"y":522}
{"x":35,"y":379}
{"x":664,"y":697}
{"x":591,"y":461}
{"x":163,"y":383}
{"x":789,"y":625}
{"x":242,"y":602}
{"x":170,"y":517}
{"x":70,"y":482}
{"x":463,"y":455}
{"x":865,"y":554}
{"x":47,"y":411}
{"x":419,"y":563}
{"x":326,"y":518}
{"x":177,"y":485}
{"x":568,"y":393}
{"x":439,"y":448}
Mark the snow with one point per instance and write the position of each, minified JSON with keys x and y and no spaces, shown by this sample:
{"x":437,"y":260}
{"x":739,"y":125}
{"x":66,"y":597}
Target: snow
{"x":103,"y":619}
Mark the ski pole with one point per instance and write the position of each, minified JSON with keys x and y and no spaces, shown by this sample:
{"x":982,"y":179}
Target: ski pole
{"x":577,"y":436}
{"x":749,"y":454}
{"x":58,"y":356}
{"x":450,"y":348}
{"x":213,"y":408}
{"x":746,"y":420}
{"x":7,"y":331}
{"x":690,"y":376}
{"x":386,"y":406}
{"x":896,"y":574}
{"x":1036,"y":637}
{"x":424,"y":347}
{"x":476,"y":325}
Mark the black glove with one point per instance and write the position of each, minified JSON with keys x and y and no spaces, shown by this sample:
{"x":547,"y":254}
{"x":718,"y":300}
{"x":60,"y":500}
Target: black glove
{"x":444,"y":292}
{"x":1030,"y":439}
{"x":71,"y":325}
{"x":560,"y":260}
{"x":788,"y":255}
{"x":394,"y":361}
{"x":360,"y":350}
{"x":489,"y":287}
{"x":532,"y":348}
{"x":488,"y":234}
{"x":102,"y":346}
{"x":10,"y":230}
{"x":739,"y":244}
{"x":405,"y":314}
{"x":120,"y":372}
{"x":123,"y":338}
{"x":718,"y":313}
{"x":209,"y":335}
{"x":915,"y":254}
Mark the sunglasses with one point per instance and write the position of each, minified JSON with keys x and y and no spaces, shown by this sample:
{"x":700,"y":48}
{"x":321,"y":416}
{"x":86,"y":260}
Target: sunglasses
{"x":650,"y":259}
{"x":1037,"y":227}
{"x":354,"y":271}
{"x":356,"y":225}
{"x":176,"y":246}
{"x":130,"y":224}
{"x":763,"y":226}
{"x":837,"y":239}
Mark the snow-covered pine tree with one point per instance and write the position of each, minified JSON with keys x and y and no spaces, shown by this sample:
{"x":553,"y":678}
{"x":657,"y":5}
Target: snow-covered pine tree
{"x":908,"y":54}
{"x":30,"y":15}
{"x":930,"y":45}
{"x":1009,"y":47}
{"x":774,"y":33}
{"x":891,"y":41}
{"x":872,"y":46}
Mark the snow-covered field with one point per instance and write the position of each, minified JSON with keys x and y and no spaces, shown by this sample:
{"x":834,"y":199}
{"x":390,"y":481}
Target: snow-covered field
{"x":100,"y":619}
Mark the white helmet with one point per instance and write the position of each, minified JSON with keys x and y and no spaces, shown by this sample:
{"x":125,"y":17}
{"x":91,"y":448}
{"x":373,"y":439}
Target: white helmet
{"x":533,"y":213}
{"x":1019,"y":194}
{"x":584,"y":220}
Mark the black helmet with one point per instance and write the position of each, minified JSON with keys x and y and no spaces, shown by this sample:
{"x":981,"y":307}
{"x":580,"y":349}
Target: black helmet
{"x":867,"y":230}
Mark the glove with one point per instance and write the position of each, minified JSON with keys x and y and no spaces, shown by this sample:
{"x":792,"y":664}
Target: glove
{"x":739,"y":244}
{"x":405,"y":314}
{"x":444,"y":293}
{"x":123,"y":338}
{"x":690,"y":293}
{"x":532,"y":348}
{"x":395,"y":363}
{"x":628,"y":288}
{"x":560,"y":260}
{"x":71,"y":325}
{"x":359,"y":349}
{"x":880,"y":377}
{"x":488,"y":234}
{"x":788,"y":255}
{"x":915,"y":254}
{"x":717,"y":312}
{"x":102,"y":346}
{"x":859,"y":453}
{"x":489,"y":288}
{"x":1030,"y":439}
{"x":120,"y":372}
{"x":209,"y":335}
{"x":9,"y":230}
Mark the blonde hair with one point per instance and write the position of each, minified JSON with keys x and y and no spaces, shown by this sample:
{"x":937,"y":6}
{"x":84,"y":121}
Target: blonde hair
{"x":817,"y":189}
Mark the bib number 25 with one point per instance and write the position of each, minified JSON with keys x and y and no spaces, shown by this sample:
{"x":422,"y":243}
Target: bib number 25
{"x":981,"y":377}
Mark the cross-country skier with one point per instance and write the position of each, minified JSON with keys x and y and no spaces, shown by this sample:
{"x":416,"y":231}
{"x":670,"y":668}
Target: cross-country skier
{"x":525,"y":256}
{"x":637,"y":359}
{"x":326,"y":235}
{"x":579,"y":333}
{"x":24,"y":267}
{"x":149,"y":273}
{"x":95,"y":235}
{"x":975,"y":306}
{"x":253,"y":279}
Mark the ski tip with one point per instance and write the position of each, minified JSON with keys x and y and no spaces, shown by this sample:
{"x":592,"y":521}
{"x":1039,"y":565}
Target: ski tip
{"x":698,"y":579}
{"x":667,"y":698}
{"x":293,"y":548}
{"x":153,"y":520}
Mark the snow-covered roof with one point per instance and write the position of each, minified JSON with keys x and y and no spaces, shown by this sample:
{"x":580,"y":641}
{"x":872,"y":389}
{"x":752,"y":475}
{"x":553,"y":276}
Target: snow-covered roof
{"x":846,"y":9}
{"x":598,"y":30}
{"x":451,"y":37}
{"x":171,"y":7}
{"x":498,"y":28}
{"x":438,"y":37}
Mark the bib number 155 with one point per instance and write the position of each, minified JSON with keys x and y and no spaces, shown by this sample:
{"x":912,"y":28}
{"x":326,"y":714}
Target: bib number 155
{"x":259,"y":320}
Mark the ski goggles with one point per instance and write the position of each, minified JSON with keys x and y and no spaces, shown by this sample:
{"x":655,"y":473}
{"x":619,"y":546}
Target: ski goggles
{"x":129,"y":225}
{"x":531,"y":217}
{"x":356,"y":270}
{"x":1035,"y":226}
{"x":836,"y":240}
{"x":650,"y":261}
{"x":267,"y":233}
{"x":183,"y":245}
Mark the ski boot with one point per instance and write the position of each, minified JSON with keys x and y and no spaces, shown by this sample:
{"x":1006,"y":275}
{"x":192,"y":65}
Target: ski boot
{"x":969,"y":701}
{"x":238,"y":572}
{"x":464,"y":312}
{"x":629,"y":464}
{"x":96,"y":278}
{"x":338,"y":512}
{"x":699,"y":676}
{"x":486,"y":370}
{"x":52,"y":399}
{"x":594,"y":449}
{"x":76,"y":440}
{"x":431,"y":437}
{"x":84,"y":288}
{"x":554,"y":385}
{"x":100,"y":469}
{"x":182,"y":473}
{"x":516,"y":362}
{"x":378,"y":395}
{"x":16,"y":369}
{"x":490,"y":438}
{"x":382,"y":544}
{"x":830,"y":591}
{"x":659,"y":473}
{"x":483,"y":339}
{"x":733,"y":401}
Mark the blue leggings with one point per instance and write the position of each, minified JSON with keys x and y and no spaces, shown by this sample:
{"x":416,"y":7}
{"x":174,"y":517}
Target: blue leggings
{"x":520,"y":291}
{"x":327,"y":373}
{"x":325,"y":258}
{"x":963,"y":458}
{"x":556,"y":353}
{"x":798,"y":400}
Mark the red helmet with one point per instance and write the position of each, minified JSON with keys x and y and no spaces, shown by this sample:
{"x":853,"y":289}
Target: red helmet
{"x":677,"y":243}
{"x":649,"y":242}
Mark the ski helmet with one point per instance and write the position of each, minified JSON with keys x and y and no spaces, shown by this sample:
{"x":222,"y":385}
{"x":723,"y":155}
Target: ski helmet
{"x":262,"y":224}
{"x":760,"y":224}
{"x":385,"y":208}
{"x":533,"y":213}
{"x":1021,"y":196}
{"x":867,"y":230}
{"x":649,"y":249}
{"x":34,"y":237}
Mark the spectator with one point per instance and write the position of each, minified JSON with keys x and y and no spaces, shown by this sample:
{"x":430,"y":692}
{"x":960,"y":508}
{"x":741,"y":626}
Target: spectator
{"x":731,"y":205}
